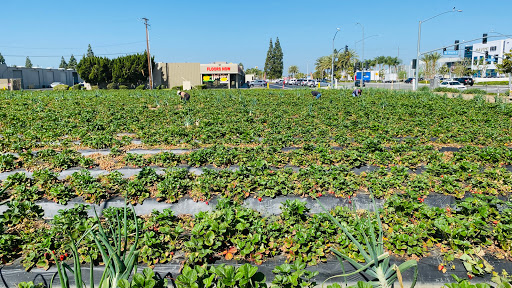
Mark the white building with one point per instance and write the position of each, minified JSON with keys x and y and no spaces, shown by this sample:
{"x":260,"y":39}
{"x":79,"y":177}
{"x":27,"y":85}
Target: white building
{"x":495,"y":51}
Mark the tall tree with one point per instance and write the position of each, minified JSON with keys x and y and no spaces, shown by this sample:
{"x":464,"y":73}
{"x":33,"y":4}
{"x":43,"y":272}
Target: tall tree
{"x":257,"y":72}
{"x":63,"y":63}
{"x":292,"y":70}
{"x":28,"y":63}
{"x":89,"y":51}
{"x":277,"y":61}
{"x":506,"y":67}
{"x":268,"y":61}
{"x":322,"y":64}
{"x":2,"y":59}
{"x":72,"y":62}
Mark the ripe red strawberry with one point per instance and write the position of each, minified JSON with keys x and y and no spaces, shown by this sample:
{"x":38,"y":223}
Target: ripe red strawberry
{"x":206,"y":202}
{"x":66,"y":255}
{"x":319,"y":194}
{"x":495,"y":222}
{"x":61,"y":257}
{"x":470,"y":276}
{"x":172,"y":253}
{"x":349,"y":201}
{"x":259,"y":199}
{"x":448,"y":209}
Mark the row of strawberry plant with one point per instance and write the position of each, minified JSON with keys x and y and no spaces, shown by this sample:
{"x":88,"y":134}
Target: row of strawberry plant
{"x":473,"y":227}
{"x":39,"y":119}
{"x":259,"y":181}
{"x":372,"y":152}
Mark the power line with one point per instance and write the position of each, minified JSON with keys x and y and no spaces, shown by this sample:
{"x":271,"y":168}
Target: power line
{"x":47,"y":48}
{"x":78,"y":56}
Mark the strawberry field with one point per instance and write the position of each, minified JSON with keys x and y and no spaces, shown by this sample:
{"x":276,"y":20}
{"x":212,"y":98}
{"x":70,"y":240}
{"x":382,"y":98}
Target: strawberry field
{"x":440,"y":170}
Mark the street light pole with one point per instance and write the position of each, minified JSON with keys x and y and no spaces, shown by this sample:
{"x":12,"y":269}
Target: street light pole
{"x":332,"y":63}
{"x":416,"y":78}
{"x":362,"y":59}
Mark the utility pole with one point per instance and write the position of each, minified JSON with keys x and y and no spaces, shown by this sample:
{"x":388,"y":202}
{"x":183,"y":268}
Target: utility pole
{"x":149,"y":55}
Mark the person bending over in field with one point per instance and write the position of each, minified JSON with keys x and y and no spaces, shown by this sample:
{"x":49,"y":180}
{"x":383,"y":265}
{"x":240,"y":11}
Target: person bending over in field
{"x":316,"y":94}
{"x":184,"y":95}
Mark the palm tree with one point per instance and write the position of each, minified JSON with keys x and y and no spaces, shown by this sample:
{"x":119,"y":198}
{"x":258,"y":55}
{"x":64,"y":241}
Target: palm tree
{"x":323,"y":63}
{"x":292,"y":70}
{"x":346,"y":61}
{"x":430,"y":64}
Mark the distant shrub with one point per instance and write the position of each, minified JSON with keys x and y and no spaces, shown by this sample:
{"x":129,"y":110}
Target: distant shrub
{"x":123,"y":87}
{"x":474,"y":91}
{"x":424,"y":89}
{"x":141,"y":87}
{"x":162,"y":86}
{"x":199,"y":87}
{"x":112,"y":86}
{"x":61,"y":88}
{"x":77,"y":87}
{"x":446,"y":89}
{"x":178,"y":88}
{"x":492,"y":83}
{"x":96,"y":87}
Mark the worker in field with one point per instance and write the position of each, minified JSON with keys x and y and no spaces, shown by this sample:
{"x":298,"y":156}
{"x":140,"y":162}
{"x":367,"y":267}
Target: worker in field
{"x":316,"y":94}
{"x":357,"y":92}
{"x":184,"y":95}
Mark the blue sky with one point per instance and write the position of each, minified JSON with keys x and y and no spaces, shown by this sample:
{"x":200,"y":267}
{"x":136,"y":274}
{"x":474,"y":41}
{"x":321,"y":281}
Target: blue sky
{"x":239,"y":31}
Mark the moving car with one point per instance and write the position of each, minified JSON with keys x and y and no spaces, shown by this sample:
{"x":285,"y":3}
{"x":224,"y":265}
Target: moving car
{"x":465,"y":80}
{"x":452,"y":84}
{"x":56,"y":84}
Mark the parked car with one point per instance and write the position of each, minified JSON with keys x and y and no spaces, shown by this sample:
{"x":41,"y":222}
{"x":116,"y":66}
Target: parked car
{"x":260,"y":83}
{"x":311,"y":83}
{"x":323,"y":83}
{"x":299,"y":82}
{"x":409,"y":80}
{"x":465,"y":80}
{"x":280,"y":81}
{"x":56,"y":84}
{"x":291,"y":81}
{"x":452,"y":84}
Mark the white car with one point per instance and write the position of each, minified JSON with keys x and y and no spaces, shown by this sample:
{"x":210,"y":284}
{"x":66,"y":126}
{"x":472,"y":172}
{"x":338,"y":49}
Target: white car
{"x":56,"y":84}
{"x":453,"y":84}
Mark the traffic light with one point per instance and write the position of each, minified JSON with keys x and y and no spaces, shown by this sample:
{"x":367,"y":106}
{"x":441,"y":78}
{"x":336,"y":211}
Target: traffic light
{"x":346,"y":48}
{"x":444,"y":50}
{"x":484,"y":38}
{"x":367,"y":66}
{"x":456,"y":45}
{"x":486,"y":55}
{"x":358,"y":66}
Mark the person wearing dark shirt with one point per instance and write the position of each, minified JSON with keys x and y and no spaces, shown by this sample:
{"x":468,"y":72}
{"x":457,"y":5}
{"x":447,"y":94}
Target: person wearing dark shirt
{"x":184,"y":95}
{"x":316,"y":94}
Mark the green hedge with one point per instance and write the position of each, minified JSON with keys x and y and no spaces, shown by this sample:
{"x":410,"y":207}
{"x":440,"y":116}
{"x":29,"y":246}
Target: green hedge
{"x":123,"y":87}
{"x":112,"y":86}
{"x":141,"y":87}
{"x":61,"y":88}
{"x":446,"y":89}
{"x":492,"y":83}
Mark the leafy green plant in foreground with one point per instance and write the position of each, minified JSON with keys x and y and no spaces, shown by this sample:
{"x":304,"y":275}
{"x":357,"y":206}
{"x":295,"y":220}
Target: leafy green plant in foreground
{"x":377,"y":264}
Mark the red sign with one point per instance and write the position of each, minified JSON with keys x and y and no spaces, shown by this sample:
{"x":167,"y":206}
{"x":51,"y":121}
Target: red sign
{"x":218,"y":68}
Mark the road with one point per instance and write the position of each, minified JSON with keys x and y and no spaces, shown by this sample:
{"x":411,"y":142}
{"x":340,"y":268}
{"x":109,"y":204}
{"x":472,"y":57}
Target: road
{"x":394,"y":86}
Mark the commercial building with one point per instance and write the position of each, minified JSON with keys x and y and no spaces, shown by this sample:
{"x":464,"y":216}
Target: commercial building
{"x":213,"y":75}
{"x":485,"y":56}
{"x":34,"y":78}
